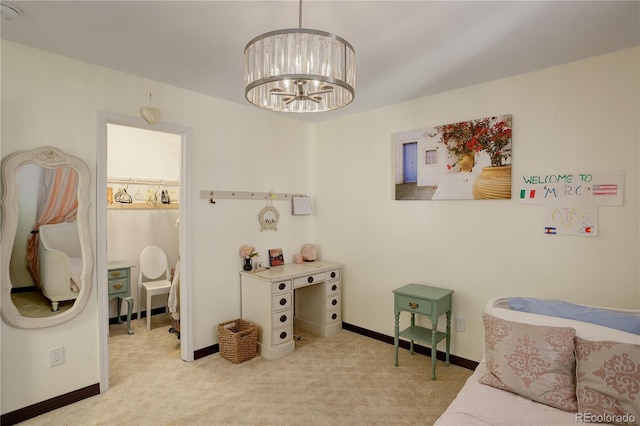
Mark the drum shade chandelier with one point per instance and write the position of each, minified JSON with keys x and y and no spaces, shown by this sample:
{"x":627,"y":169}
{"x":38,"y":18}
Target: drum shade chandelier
{"x":299,"y":70}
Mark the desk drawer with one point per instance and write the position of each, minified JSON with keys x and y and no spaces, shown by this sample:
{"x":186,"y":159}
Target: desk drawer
{"x":118,"y":273}
{"x":281,"y":301}
{"x":279,"y":319}
{"x":280,"y":286}
{"x":332,"y":302}
{"x":412,"y":304}
{"x":118,"y":286}
{"x":332,"y":316}
{"x":332,"y":287}
{"x":308,"y":280}
{"x":282,"y":335}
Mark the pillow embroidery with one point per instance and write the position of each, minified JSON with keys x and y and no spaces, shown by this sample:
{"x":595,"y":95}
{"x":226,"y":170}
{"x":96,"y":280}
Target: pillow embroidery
{"x":536,"y":362}
{"x":608,"y":379}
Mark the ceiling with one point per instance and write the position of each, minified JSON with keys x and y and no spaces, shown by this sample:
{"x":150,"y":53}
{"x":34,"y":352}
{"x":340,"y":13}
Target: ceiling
{"x":405,"y":49}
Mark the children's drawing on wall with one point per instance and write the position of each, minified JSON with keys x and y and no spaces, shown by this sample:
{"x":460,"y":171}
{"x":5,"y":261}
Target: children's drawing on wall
{"x":571,"y":200}
{"x":573,"y":220}
{"x":469,"y":160}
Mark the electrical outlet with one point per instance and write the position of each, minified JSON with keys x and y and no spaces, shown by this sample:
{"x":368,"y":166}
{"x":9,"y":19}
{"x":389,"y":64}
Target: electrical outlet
{"x":460,"y":324}
{"x":56,"y":356}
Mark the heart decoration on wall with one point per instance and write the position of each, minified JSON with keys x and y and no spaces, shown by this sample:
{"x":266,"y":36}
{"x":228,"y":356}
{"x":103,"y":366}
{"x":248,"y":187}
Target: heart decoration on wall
{"x":150,"y":114}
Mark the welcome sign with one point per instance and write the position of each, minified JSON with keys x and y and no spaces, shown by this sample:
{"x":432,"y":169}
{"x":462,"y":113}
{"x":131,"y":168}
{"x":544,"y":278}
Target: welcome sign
{"x":595,"y":188}
{"x":571,"y":200}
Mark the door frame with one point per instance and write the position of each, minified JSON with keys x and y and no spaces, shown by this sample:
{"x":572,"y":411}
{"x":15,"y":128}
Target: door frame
{"x":186,"y":314}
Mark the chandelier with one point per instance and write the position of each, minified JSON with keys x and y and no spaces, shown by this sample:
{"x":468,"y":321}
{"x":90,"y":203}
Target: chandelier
{"x":299,"y":70}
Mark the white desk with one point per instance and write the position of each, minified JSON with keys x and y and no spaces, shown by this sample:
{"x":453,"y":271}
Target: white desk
{"x":308,"y":294}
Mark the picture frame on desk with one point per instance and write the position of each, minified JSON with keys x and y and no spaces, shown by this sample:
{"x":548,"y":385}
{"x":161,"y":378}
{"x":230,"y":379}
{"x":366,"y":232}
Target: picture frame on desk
{"x":276,"y":258}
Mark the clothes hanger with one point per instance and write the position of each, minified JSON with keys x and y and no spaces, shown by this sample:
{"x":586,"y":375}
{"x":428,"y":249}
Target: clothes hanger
{"x":123,"y":197}
{"x":164,"y":197}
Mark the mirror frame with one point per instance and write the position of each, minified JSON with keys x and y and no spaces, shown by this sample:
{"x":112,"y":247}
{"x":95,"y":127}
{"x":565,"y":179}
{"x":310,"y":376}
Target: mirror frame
{"x":48,"y":157}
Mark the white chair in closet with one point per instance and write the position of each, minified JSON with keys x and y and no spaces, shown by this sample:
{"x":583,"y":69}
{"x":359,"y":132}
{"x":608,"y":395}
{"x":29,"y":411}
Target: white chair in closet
{"x":154,"y":277}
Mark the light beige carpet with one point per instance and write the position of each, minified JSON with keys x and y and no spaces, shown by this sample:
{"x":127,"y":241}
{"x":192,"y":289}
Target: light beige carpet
{"x":34,"y":304}
{"x":346,"y":379}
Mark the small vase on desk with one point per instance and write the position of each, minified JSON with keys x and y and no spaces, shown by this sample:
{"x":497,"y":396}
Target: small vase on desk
{"x":248,"y":266}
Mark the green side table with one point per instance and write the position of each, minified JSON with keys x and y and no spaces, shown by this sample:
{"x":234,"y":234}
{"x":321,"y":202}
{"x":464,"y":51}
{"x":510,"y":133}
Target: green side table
{"x":428,"y":301}
{"x":120,"y":288}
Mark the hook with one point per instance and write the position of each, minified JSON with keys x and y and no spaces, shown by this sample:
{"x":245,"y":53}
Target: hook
{"x":211,"y":198}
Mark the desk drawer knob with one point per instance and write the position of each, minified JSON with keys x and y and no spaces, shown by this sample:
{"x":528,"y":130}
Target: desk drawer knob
{"x":334,"y":316}
{"x":414,"y":305}
{"x":333,"y":275}
{"x":115,"y":274}
{"x":117,"y":286}
{"x":283,"y":318}
{"x":310,"y":280}
{"x":334,"y":302}
{"x":334,"y":287}
{"x":283,"y":335}
{"x":283,"y":301}
{"x":282,"y":286}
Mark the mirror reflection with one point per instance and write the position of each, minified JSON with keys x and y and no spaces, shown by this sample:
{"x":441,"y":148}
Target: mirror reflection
{"x":46,"y":260}
{"x":46,"y":254}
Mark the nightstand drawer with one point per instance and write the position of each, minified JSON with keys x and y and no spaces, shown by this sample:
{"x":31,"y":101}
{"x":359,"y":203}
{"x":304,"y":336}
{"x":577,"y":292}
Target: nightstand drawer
{"x":118,"y":285}
{"x":118,"y":273}
{"x":412,"y":304}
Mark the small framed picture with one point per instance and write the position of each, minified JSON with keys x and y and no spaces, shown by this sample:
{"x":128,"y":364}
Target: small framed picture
{"x":275,"y":257}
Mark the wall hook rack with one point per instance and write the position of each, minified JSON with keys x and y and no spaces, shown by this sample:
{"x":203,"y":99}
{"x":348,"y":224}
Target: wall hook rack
{"x":213,"y":195}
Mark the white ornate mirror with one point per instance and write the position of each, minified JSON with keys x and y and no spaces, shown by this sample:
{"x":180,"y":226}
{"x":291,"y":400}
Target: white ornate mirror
{"x":45,"y":201}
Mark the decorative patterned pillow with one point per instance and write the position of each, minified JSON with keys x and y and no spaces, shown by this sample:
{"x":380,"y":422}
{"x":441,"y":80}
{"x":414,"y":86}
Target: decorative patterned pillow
{"x":533,"y":361}
{"x":608,"y":380}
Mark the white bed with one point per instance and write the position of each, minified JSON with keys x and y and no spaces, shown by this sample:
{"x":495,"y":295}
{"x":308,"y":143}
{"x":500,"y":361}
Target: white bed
{"x":479,"y":404}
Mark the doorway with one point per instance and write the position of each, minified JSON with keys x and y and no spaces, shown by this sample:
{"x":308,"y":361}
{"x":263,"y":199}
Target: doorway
{"x":139,"y":181}
{"x":143,"y":184}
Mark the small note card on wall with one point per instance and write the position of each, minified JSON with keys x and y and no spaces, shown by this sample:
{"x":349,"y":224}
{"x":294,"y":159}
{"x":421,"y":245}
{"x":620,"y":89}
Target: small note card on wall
{"x":301,"y":205}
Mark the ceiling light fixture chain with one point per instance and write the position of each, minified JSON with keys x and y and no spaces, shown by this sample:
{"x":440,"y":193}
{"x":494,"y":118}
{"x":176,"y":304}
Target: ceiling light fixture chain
{"x":299,"y":70}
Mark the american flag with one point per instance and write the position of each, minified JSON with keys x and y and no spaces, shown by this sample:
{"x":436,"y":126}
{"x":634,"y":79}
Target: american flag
{"x":605,"y":189}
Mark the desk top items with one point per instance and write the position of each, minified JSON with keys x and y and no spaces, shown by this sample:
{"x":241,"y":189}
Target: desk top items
{"x":308,"y":252}
{"x":276,"y":258}
{"x":248,"y":252}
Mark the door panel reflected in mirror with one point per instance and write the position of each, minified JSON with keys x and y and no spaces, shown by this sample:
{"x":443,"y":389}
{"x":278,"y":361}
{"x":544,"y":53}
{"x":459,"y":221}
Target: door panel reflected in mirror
{"x":46,"y":254}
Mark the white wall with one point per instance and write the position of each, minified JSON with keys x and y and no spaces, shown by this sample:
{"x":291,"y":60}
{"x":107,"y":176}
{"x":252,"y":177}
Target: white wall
{"x":575,"y":117}
{"x":580,"y":116}
{"x":52,"y":100}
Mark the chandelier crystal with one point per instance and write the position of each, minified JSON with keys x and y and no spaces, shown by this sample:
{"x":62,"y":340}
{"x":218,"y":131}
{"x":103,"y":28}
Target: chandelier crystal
{"x":299,"y":70}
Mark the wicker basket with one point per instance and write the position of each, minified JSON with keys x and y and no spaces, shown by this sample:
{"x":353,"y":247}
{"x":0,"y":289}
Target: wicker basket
{"x":238,"y":340}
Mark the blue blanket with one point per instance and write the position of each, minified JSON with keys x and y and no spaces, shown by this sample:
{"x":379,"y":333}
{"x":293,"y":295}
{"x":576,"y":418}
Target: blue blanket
{"x":617,"y":320}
